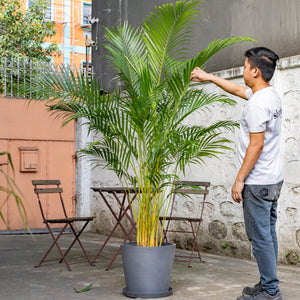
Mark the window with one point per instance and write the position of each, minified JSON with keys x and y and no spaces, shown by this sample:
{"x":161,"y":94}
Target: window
{"x":86,"y":13}
{"x":48,"y":12}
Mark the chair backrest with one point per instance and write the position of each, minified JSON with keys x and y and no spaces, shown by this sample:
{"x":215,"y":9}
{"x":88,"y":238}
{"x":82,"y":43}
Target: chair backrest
{"x":44,"y":187}
{"x":185,"y":187}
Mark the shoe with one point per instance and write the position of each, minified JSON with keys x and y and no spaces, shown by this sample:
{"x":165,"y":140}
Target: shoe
{"x":261,"y":295}
{"x":249,"y":291}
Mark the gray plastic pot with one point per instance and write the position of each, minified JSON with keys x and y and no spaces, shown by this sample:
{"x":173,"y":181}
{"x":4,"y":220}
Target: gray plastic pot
{"x":147,"y":270}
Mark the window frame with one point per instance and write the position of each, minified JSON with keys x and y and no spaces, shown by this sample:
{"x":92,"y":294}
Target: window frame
{"x":84,"y":3}
{"x":29,"y":2}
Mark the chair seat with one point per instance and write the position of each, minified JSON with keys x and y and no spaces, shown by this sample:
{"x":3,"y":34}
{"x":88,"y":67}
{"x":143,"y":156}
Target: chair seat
{"x":69,"y":220}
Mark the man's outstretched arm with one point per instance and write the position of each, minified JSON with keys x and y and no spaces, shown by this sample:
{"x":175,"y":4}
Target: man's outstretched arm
{"x":228,"y":86}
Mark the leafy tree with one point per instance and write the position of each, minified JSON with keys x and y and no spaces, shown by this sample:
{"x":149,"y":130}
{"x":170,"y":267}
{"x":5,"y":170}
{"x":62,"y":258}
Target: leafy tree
{"x":22,"y":32}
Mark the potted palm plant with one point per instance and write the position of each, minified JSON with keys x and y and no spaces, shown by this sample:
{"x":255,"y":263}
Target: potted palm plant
{"x":144,"y":136}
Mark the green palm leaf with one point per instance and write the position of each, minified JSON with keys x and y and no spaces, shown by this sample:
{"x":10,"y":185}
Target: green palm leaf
{"x":212,"y":49}
{"x":166,"y":33}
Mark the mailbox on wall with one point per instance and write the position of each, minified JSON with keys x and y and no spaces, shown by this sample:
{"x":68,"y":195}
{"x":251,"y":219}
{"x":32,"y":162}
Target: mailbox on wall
{"x":29,"y":159}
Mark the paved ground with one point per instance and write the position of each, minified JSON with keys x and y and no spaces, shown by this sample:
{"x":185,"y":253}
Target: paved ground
{"x":218,"y":278}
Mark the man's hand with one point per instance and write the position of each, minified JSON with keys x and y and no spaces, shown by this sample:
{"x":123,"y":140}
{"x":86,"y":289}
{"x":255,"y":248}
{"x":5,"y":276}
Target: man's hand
{"x":200,"y":75}
{"x":236,"y":192}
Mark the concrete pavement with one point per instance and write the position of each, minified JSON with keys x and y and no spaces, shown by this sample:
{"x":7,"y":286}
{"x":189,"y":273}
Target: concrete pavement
{"x":218,"y":278}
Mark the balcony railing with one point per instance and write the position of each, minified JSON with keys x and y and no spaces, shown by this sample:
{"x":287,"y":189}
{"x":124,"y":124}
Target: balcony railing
{"x":18,"y":74}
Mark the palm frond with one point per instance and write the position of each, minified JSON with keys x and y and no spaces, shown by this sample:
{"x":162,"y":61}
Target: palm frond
{"x":165,"y":34}
{"x":127,"y":54}
{"x":198,"y":101}
{"x":213,"y":48}
{"x":195,"y":151}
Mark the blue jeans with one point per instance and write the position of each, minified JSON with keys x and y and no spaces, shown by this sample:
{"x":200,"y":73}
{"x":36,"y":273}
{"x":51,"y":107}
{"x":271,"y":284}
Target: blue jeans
{"x":260,"y":214}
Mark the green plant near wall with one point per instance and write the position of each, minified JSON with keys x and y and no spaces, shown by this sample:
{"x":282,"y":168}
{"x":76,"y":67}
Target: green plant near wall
{"x":141,"y":125}
{"x":9,"y":191}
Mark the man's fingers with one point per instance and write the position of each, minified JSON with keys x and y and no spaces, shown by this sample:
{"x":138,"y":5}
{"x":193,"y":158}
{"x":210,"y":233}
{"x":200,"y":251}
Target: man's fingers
{"x":193,"y":77}
{"x":237,"y":197}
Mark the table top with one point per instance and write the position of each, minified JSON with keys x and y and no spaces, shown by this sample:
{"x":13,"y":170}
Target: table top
{"x":117,"y":189}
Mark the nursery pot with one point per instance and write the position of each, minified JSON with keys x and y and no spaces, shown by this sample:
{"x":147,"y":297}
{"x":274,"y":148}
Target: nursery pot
{"x":147,"y":270}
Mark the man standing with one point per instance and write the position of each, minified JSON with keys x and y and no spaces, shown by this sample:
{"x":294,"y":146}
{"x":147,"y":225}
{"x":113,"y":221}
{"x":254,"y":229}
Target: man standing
{"x":260,"y":177}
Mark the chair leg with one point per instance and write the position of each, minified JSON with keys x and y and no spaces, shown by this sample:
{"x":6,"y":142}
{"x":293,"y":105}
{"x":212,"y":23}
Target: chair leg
{"x":165,"y":236}
{"x":77,"y":235}
{"x":195,"y":245}
{"x":55,"y":239}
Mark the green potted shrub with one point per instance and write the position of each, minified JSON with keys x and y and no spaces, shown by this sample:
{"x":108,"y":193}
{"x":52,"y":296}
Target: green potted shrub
{"x":8,"y":190}
{"x":142,"y":125}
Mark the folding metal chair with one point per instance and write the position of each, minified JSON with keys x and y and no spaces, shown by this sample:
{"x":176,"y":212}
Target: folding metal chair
{"x":194,"y":222}
{"x":46,"y":187}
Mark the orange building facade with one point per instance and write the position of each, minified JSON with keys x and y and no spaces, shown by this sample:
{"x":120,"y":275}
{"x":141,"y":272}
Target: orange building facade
{"x":73,"y":27}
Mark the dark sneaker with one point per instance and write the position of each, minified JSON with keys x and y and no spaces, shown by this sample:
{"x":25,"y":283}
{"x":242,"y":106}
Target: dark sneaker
{"x":261,"y":295}
{"x":249,"y":291}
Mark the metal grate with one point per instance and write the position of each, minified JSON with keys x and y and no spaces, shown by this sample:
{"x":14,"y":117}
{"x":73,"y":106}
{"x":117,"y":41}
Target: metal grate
{"x":16,"y":74}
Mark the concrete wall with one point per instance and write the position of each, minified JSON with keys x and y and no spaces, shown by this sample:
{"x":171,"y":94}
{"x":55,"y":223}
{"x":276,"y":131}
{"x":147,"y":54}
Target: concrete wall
{"x":274,"y":23}
{"x":223,"y":227}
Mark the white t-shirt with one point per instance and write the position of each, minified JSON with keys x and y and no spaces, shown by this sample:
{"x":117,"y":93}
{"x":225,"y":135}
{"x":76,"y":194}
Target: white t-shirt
{"x":262,"y":112}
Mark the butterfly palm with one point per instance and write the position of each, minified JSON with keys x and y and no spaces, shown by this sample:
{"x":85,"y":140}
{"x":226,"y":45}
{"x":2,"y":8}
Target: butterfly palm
{"x":142,"y":129}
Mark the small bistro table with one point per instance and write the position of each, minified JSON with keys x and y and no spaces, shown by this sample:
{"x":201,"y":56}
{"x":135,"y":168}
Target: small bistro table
{"x":122,"y":196}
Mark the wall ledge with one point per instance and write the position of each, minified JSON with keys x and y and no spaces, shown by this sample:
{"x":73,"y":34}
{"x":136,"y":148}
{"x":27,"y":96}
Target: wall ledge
{"x":283,"y":64}
{"x":289,"y":62}
{"x":230,"y":73}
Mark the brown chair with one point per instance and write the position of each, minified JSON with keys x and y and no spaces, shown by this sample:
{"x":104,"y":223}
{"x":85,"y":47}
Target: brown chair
{"x":53,"y":187}
{"x":185,"y":187}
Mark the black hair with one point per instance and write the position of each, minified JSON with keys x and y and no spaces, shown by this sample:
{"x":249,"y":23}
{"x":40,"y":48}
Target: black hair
{"x":263,"y":59}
